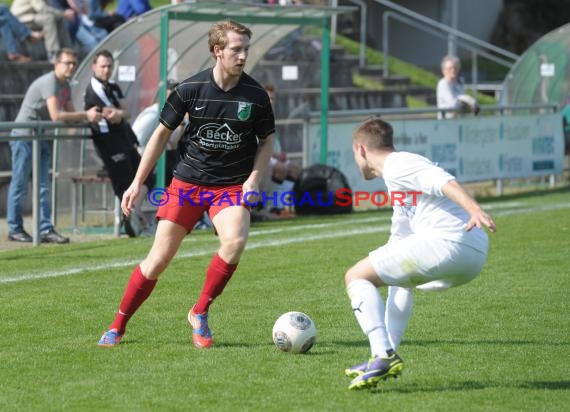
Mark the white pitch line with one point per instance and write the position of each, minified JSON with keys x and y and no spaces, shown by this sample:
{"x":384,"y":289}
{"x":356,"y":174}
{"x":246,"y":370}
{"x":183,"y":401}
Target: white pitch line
{"x":534,"y":209}
{"x":268,"y":243}
{"x":255,"y":231}
{"x":385,"y":218}
{"x":203,"y":252}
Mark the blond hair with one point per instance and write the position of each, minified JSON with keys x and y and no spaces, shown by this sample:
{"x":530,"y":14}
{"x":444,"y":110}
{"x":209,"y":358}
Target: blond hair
{"x":218,"y":34}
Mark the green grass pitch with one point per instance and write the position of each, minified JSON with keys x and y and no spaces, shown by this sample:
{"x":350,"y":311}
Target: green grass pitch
{"x":500,"y":343}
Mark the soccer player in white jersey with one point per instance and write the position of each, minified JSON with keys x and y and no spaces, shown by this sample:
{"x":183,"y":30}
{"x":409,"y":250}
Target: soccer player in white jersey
{"x":437,"y":241}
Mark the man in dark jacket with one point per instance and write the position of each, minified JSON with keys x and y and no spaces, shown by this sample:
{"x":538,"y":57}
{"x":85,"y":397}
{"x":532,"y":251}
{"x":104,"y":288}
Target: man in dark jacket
{"x":113,"y":137}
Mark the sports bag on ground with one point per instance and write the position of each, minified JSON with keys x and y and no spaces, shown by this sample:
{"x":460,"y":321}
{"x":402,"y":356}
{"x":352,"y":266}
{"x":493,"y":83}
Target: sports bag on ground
{"x":316,"y":191}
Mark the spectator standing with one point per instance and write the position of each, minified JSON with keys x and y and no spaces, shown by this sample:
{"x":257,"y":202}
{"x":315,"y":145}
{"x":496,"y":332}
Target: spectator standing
{"x":38,"y":15}
{"x":113,"y":136}
{"x":13,"y":33}
{"x":450,"y":93}
{"x":224,"y":150}
{"x":47,"y":98}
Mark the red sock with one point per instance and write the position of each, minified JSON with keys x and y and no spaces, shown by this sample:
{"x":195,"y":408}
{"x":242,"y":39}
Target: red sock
{"x":136,"y":292}
{"x":217,"y":277}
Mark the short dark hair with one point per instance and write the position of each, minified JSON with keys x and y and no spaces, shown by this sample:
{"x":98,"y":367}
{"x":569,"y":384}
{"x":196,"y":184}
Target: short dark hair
{"x":105,"y":53}
{"x":65,"y":50}
{"x":374,"y":133}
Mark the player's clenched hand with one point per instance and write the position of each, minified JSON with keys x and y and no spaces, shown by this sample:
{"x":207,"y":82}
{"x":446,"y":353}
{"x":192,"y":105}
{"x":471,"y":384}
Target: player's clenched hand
{"x":250,"y":192}
{"x":479,"y":220}
{"x":129,"y":197}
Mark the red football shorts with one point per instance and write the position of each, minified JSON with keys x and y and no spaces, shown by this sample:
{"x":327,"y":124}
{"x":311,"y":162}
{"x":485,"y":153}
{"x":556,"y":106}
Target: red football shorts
{"x":184,"y":203}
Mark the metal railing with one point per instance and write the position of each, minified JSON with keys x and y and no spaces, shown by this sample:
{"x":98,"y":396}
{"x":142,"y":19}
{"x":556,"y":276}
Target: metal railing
{"x":477,"y":47}
{"x":498,"y":109}
{"x":36,"y":132}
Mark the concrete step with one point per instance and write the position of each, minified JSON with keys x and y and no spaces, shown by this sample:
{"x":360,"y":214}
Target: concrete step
{"x":309,"y":73}
{"x":376,"y":73}
{"x":340,"y":98}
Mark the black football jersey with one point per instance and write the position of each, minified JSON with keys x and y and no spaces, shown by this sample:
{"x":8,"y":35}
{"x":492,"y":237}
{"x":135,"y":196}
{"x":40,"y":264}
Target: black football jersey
{"x":224,"y":128}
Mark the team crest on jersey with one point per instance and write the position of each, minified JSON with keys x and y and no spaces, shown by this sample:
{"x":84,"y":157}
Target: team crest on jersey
{"x":244,"y":110}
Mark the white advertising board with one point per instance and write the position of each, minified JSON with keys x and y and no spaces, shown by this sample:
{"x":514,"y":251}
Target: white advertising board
{"x":473,"y":149}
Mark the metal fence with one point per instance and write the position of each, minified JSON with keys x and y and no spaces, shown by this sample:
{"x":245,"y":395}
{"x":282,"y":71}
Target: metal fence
{"x":74,"y":155}
{"x":36,"y":132}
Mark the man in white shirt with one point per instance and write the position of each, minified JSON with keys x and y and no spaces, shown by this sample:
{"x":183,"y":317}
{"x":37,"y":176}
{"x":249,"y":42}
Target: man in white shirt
{"x":450,"y":93}
{"x":437,"y":241}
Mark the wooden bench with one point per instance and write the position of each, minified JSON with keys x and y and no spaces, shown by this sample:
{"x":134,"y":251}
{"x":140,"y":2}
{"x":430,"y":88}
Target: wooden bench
{"x":78,"y":182}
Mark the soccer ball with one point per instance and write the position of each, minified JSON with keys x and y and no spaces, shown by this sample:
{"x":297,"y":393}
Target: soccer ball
{"x":294,"y":332}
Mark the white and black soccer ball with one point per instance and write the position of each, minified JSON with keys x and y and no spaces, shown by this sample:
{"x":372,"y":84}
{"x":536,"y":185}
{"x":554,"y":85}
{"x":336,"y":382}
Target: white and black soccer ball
{"x":294,"y":332}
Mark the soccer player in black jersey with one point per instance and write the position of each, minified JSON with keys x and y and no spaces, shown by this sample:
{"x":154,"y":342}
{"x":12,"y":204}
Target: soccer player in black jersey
{"x":223,"y":153}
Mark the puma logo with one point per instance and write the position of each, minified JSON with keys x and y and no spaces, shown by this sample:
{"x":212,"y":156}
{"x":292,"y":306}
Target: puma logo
{"x":358,"y":308}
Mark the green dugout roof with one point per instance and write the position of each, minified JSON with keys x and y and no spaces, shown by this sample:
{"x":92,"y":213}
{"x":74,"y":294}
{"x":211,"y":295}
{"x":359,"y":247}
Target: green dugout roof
{"x":542,"y":73}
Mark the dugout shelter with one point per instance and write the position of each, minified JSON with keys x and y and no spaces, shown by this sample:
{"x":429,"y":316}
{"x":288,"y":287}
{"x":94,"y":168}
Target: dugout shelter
{"x":542,"y":73}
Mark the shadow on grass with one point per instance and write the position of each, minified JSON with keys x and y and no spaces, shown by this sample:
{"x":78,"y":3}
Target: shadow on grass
{"x":469,"y":386}
{"x":481,"y":342}
{"x":416,"y":342}
{"x":62,"y":252}
{"x":548,"y":385}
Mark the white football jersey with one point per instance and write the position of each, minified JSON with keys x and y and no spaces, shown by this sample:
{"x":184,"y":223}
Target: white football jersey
{"x":429,"y":212}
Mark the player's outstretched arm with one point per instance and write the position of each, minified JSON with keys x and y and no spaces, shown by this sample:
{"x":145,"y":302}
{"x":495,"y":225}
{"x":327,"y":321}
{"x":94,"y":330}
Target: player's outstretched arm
{"x":152,"y":152}
{"x":477,"y":216}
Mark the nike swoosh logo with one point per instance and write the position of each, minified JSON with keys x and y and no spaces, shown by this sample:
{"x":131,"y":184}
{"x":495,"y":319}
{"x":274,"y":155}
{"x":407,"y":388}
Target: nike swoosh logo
{"x":199,"y":108}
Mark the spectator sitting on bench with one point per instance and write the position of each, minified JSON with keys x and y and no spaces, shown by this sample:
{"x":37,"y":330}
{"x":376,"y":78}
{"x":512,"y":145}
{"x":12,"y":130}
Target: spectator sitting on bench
{"x":282,"y":172}
{"x":14,"y":32}
{"x":39,"y":15}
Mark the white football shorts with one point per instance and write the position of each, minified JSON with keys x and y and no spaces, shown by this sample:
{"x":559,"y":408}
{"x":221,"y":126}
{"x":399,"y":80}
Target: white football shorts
{"x":428,"y":264}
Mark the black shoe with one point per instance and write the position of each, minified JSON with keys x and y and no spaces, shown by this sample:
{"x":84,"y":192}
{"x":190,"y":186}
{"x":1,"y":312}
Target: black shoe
{"x":132,"y":225}
{"x":23,"y":237}
{"x":51,"y":236}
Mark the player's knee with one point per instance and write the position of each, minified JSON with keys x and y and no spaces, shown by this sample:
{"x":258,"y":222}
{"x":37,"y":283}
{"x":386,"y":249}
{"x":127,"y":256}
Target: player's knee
{"x":232,"y":248}
{"x":153,"y":267}
{"x":350,"y":276}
